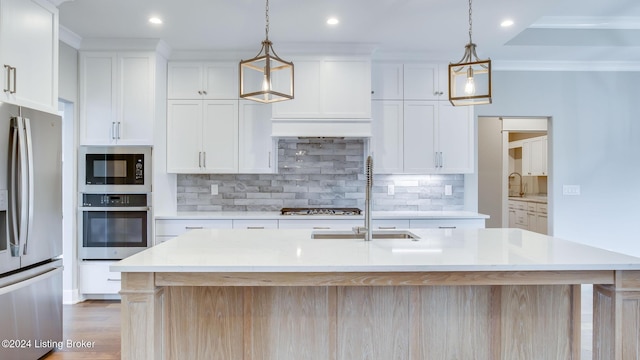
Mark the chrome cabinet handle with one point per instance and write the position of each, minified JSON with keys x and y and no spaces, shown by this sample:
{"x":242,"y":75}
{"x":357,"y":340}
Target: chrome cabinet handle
{"x":8,"y":87}
{"x":204,"y":159}
{"x":200,"y":159}
{"x":114,"y":280}
{"x":15,"y":81}
{"x":204,"y":92}
{"x":269,"y":159}
{"x":441,"y":160}
{"x":386,"y":227}
{"x":447,"y":227}
{"x":321,"y":227}
{"x":194,"y":227}
{"x":118,"y":130}
{"x":255,"y":227}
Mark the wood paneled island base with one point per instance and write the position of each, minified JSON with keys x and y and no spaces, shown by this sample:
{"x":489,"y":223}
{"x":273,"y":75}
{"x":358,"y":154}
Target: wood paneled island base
{"x":479,"y":315}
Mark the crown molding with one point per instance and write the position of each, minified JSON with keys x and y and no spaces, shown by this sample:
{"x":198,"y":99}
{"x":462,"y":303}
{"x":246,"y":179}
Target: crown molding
{"x":588,"y":22}
{"x":566,"y":65}
{"x":69,"y":37}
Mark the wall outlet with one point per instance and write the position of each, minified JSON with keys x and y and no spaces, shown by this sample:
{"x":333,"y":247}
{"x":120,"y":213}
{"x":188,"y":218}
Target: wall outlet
{"x":391,"y":190}
{"x":571,"y":190}
{"x":448,"y":190}
{"x":214,"y":189}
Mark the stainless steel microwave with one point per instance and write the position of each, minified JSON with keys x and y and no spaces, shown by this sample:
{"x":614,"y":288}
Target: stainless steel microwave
{"x":114,"y":169}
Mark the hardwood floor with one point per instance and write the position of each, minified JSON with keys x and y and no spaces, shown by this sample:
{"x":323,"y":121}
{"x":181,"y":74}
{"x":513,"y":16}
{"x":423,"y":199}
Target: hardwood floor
{"x":97,"y":322}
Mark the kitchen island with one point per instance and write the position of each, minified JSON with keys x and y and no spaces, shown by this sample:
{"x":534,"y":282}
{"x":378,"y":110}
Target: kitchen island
{"x":446,"y":294}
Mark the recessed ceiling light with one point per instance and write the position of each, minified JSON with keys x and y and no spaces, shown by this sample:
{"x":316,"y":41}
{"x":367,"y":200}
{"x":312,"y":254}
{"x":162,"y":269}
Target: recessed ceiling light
{"x":333,"y":21}
{"x":155,"y":20}
{"x":506,"y":23}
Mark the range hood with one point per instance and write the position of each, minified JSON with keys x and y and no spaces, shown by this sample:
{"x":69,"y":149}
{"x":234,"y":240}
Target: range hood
{"x":321,"y":128}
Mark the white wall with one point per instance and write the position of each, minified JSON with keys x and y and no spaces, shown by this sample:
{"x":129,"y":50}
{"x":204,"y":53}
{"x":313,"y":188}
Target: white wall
{"x":594,"y":142}
{"x":68,"y":92}
{"x":490,"y":179}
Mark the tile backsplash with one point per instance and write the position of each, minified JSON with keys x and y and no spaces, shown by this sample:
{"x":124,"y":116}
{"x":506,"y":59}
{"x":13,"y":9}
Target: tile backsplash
{"x":318,"y":172}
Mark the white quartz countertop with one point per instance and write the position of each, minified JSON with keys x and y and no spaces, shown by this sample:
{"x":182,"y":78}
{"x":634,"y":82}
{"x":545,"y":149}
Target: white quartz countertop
{"x":379,"y":215}
{"x":277,"y":250}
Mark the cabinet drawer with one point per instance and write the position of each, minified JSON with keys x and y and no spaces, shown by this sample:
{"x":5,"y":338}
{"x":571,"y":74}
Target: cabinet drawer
{"x":95,"y":278}
{"x":541,"y":208}
{"x":521,"y":218}
{"x":518,"y":205}
{"x":389,"y":224}
{"x":320,"y":224}
{"x":531,"y":206}
{"x":446,"y":223}
{"x":255,"y":224}
{"x":178,"y":227}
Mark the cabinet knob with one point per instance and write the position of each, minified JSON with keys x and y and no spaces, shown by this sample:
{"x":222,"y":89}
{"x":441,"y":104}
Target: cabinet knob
{"x":199,"y":92}
{"x":204,"y":92}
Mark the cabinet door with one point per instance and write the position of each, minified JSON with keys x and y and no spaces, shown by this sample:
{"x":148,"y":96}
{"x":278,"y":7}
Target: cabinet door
{"x":220,"y":80}
{"x":541,"y":223}
{"x":538,"y":159}
{"x":136,"y":88}
{"x":184,"y":80}
{"x":387,"y":137}
{"x":386,"y":81}
{"x":220,"y":136}
{"x":184,"y":135}
{"x":255,"y":143}
{"x":532,"y":221}
{"x":526,"y":158}
{"x":98,"y":102}
{"x":306,"y":101}
{"x":422,"y":82}
{"x":346,"y":88}
{"x":455,"y":138}
{"x":29,"y":43}
{"x":419,"y":136}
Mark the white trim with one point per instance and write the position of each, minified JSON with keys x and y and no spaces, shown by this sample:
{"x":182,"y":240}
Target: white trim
{"x":533,"y":65}
{"x":70,"y":297}
{"x":588,"y":22}
{"x":69,"y":37}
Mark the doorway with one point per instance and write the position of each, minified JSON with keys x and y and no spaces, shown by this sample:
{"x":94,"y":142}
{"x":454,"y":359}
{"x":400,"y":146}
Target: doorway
{"x":513,"y":164}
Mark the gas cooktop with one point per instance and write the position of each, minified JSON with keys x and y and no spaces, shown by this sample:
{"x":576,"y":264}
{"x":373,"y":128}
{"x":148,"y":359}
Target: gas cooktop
{"x":320,"y":211}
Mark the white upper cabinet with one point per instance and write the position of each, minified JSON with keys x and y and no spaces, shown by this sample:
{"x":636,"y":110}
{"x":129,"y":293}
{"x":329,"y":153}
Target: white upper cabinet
{"x":202,"y":136}
{"x":426,"y":81}
{"x":438,"y":138}
{"x":388,"y":136}
{"x":117,"y":97}
{"x":29,"y":54}
{"x":329,"y":88}
{"x":203,"y":80}
{"x":534,"y":156}
{"x":387,"y":81}
{"x":256,"y":147}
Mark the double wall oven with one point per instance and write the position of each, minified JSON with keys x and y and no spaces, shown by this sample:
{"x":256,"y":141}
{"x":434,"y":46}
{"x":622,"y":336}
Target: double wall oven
{"x":114,"y":218}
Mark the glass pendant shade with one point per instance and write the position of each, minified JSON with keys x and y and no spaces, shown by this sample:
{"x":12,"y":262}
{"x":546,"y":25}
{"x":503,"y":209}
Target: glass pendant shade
{"x":266,"y":78}
{"x":470,"y":83}
{"x":470,"y":78}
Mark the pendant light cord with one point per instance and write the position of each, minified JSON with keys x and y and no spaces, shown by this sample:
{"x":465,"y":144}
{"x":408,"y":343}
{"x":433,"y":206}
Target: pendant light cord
{"x":470,"y":23}
{"x":266,"y":16}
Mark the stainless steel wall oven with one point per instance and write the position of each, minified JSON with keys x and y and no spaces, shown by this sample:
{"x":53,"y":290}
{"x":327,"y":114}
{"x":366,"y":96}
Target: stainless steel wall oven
{"x":114,"y":226}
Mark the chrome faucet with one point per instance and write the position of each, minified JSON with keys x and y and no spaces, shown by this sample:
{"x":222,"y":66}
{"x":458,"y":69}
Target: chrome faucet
{"x":520,"y":193}
{"x":366,"y":229}
{"x":367,"y":199}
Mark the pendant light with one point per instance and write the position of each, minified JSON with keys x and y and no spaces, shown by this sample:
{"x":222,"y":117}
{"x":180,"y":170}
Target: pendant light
{"x":266,"y":78}
{"x":470,"y":78}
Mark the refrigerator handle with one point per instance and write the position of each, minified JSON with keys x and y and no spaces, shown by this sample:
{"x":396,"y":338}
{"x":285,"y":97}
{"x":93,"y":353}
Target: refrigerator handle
{"x":22,"y":205}
{"x":14,"y":239}
{"x":30,"y":181}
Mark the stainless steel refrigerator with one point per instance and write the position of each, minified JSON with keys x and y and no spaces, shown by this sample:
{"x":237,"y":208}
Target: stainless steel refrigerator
{"x":30,"y":233}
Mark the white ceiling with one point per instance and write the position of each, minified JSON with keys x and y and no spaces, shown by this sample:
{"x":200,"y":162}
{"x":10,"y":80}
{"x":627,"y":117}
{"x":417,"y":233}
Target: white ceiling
{"x":544,"y":30}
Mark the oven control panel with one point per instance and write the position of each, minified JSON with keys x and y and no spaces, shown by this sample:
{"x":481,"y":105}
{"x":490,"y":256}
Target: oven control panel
{"x":114,"y":200}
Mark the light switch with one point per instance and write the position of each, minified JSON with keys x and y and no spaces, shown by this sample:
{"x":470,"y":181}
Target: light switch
{"x":571,"y":190}
{"x":214,"y":189}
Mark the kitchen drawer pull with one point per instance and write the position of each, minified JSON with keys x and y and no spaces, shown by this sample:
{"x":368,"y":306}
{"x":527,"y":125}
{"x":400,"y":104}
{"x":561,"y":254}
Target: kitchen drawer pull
{"x":8,"y":88}
{"x":386,"y":227}
{"x":114,"y":280}
{"x":321,"y":227}
{"x":15,"y":76}
{"x":447,"y":227}
{"x":255,"y":227}
{"x":194,"y":227}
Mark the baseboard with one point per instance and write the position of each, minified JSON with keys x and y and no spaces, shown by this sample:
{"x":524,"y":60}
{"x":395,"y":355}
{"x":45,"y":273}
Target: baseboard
{"x":70,"y":297}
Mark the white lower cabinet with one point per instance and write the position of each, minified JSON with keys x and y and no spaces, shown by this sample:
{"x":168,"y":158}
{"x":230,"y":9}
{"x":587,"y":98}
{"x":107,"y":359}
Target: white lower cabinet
{"x":255,"y":224}
{"x":167,"y":229}
{"x":446,"y":223}
{"x":320,"y":224}
{"x":528,"y":215}
{"x":96,"y":279}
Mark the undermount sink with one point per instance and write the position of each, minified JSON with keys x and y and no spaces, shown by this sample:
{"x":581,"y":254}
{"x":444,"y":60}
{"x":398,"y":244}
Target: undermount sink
{"x":346,"y":234}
